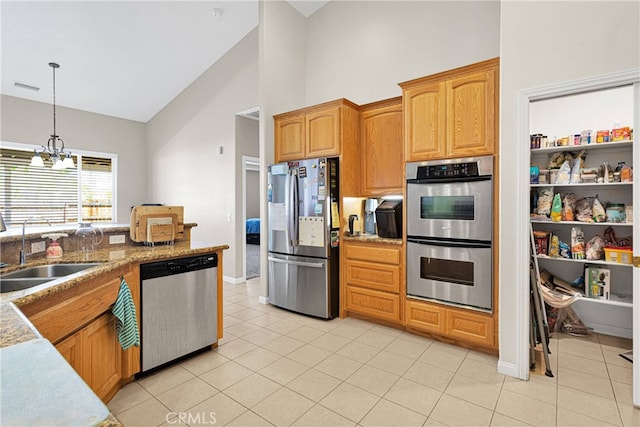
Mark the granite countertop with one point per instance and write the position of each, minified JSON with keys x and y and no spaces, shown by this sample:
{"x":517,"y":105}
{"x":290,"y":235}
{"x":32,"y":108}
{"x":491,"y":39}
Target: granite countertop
{"x":15,"y":327}
{"x":371,"y":238}
{"x":110,"y":259}
{"x":19,"y":339}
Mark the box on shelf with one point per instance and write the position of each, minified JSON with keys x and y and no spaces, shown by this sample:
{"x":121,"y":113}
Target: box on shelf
{"x":620,"y":254}
{"x":597,"y":282}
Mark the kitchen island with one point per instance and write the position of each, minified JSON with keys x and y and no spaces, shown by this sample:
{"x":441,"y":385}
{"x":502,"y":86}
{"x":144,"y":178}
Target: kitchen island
{"x":73,"y":314}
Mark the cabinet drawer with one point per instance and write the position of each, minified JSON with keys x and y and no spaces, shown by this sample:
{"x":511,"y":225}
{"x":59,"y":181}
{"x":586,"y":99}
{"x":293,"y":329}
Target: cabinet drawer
{"x":59,"y":315}
{"x":383,"y":277}
{"x":373,"y":254}
{"x":426,"y":317}
{"x":470,"y":327}
{"x":380,"y":305}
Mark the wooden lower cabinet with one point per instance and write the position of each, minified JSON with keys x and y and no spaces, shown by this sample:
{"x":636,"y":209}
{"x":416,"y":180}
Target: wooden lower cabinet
{"x":459,"y":324}
{"x":425,"y":317}
{"x":471,"y":326}
{"x":376,"y":304}
{"x":372,"y":274}
{"x":95,"y":354}
{"x":69,"y":348}
{"x":80,"y":324}
{"x":102,"y":356}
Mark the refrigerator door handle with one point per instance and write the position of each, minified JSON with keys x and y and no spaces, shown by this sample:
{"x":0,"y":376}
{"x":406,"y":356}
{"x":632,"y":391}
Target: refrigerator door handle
{"x":298,"y":263}
{"x":293,"y":199}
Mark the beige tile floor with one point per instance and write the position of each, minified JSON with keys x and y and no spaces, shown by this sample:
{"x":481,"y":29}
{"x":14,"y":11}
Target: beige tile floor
{"x":274,"y":367}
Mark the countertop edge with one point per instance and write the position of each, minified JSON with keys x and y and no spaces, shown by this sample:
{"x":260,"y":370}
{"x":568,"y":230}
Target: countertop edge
{"x":372,"y":239}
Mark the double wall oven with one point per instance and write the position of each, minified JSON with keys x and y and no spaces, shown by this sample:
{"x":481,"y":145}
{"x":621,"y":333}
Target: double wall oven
{"x":449,"y":231}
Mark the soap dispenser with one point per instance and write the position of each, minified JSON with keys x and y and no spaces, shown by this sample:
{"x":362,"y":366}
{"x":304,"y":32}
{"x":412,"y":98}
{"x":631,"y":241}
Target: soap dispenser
{"x":54,"y":250}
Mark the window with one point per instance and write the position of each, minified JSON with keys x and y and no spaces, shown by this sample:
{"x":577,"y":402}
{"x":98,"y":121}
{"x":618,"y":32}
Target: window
{"x":85,"y":193}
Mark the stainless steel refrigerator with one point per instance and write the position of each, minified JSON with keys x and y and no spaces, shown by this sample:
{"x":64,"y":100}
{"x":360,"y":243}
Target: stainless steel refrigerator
{"x":304,"y":229}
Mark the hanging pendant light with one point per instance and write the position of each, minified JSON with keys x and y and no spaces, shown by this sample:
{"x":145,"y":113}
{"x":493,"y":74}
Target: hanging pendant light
{"x":61,"y":159}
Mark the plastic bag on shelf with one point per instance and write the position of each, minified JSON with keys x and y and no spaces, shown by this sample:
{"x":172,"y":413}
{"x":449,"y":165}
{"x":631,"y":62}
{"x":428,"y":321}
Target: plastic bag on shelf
{"x":595,"y":248}
{"x":568,"y":207}
{"x":583,"y":211}
{"x":571,"y":323}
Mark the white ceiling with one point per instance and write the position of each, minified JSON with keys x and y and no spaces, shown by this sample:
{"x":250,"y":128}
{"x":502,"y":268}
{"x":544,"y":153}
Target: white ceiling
{"x":119,"y":58}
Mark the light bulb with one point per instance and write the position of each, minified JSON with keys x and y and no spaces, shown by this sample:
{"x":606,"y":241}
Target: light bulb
{"x":57,"y":164}
{"x":68,"y":162}
{"x":36,"y":160}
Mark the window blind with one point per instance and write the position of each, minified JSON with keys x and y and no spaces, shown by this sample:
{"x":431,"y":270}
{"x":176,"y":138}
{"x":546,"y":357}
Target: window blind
{"x":42,"y":192}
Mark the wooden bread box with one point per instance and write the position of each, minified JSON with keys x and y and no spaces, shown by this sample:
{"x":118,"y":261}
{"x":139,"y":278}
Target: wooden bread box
{"x":157,"y":224}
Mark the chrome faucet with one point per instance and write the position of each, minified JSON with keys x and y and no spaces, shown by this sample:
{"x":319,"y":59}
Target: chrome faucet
{"x":23,"y":254}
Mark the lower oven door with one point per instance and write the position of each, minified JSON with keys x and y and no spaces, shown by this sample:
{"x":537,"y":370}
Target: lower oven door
{"x":455,"y":272}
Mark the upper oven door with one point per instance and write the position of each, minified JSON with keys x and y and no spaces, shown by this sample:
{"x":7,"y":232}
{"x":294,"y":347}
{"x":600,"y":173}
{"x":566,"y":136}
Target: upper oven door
{"x":451,"y":210}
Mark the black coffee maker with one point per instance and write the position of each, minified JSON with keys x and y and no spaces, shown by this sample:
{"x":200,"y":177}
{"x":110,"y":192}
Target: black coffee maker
{"x":389,"y":219}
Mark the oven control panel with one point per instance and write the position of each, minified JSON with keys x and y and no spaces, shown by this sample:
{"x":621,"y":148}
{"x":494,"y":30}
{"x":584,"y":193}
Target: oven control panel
{"x":450,"y":170}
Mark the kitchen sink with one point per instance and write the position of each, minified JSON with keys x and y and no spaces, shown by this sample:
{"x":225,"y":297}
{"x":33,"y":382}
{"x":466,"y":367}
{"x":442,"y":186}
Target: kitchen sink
{"x":50,"y":270}
{"x":32,"y":276}
{"x":11,"y":285}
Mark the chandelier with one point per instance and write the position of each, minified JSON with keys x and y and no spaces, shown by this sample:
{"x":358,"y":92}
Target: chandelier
{"x":60,"y":158}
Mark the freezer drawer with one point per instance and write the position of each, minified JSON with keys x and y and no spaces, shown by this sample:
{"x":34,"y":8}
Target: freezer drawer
{"x":302,"y":285}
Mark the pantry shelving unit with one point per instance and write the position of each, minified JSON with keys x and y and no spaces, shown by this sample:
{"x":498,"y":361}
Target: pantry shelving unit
{"x":614,"y":315}
{"x":598,"y":102}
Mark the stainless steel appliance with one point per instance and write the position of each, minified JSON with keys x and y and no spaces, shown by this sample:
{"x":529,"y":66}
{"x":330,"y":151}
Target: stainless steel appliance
{"x":304,"y":228}
{"x":370,"y":206}
{"x":449,"y":231}
{"x":179,"y":309}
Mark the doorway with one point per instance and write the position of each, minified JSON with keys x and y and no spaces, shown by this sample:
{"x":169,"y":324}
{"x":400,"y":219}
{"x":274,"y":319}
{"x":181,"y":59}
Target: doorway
{"x":251,"y":215}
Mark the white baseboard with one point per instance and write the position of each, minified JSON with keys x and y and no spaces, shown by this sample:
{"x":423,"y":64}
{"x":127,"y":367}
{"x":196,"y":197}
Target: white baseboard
{"x":612,"y":330}
{"x":263,"y":300}
{"x":509,"y":369}
{"x":233,"y":280}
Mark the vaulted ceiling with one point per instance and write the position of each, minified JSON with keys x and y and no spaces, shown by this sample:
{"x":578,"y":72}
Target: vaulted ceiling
{"x":123,"y":59}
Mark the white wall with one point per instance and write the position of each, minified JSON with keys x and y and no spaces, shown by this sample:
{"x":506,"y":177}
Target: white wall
{"x":568,"y":115}
{"x":30,"y":122}
{"x":183,"y":165}
{"x":572,"y":40}
{"x":361,"y":50}
{"x":282,"y":81}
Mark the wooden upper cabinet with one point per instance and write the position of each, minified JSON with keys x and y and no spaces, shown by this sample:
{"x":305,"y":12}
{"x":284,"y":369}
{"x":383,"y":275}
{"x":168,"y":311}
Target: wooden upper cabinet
{"x":290,"y":138}
{"x":452,"y":114}
{"x":425,"y":125}
{"x":318,"y":131}
{"x":323,"y":133}
{"x":381,"y":142}
{"x":470,"y":114}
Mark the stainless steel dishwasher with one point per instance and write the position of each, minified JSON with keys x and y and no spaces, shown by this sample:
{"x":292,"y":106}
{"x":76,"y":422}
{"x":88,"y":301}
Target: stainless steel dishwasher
{"x":178,"y":308}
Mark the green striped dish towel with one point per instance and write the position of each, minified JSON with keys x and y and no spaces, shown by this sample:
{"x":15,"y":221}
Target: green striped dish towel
{"x":127,"y":324}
